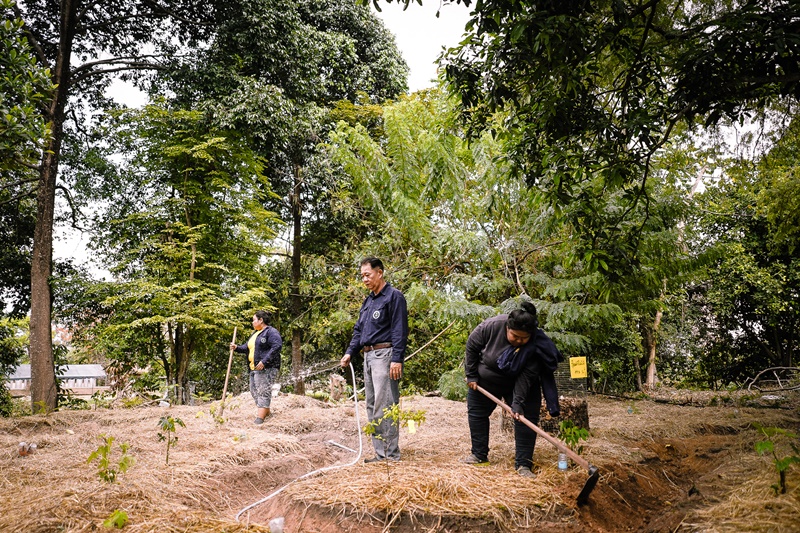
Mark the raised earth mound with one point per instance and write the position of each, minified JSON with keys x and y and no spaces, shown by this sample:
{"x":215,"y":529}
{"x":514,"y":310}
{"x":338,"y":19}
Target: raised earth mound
{"x":675,"y":462}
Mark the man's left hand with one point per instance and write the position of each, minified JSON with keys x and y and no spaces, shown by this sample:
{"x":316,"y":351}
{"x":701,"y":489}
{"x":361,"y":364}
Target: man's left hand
{"x":395,"y":370}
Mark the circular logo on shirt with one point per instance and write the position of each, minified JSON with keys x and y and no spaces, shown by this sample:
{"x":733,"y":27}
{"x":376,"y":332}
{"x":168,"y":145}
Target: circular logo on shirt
{"x":376,"y":315}
{"x":263,"y":340}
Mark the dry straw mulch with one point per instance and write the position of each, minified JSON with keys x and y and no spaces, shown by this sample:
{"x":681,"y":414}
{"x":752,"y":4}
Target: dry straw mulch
{"x":216,"y":470}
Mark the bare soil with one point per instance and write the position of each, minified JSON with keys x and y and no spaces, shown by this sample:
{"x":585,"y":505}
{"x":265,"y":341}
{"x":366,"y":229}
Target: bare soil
{"x":677,"y":462}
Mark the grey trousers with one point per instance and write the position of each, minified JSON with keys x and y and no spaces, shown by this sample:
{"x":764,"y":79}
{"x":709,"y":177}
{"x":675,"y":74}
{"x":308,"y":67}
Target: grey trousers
{"x":261,"y":385}
{"x":382,"y":392}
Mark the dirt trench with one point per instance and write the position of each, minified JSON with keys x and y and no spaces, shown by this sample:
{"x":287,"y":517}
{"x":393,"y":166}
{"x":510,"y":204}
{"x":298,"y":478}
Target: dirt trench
{"x":659,"y":467}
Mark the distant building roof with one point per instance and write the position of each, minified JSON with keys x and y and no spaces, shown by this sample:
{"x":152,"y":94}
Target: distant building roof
{"x":67,"y":372}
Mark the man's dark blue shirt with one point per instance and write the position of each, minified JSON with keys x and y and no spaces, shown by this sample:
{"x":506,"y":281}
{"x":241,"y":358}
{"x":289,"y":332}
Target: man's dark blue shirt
{"x":383,"y":318}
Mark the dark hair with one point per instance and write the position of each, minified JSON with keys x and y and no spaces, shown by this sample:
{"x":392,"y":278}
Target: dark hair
{"x":264,"y":316}
{"x":524,"y":319}
{"x":374,"y":262}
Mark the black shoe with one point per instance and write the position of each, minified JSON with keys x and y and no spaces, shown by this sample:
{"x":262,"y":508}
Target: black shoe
{"x":258,"y":421}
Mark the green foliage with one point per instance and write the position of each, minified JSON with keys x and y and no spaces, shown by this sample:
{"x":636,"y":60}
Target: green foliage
{"x":70,"y":401}
{"x":597,"y":89}
{"x":11,"y":352}
{"x":101,"y":400}
{"x":132,"y":402}
{"x":183,"y":233}
{"x":755,"y":276}
{"x":452,"y":385}
{"x":168,"y":426}
{"x":40,"y":408}
{"x":773,"y":436}
{"x":397,"y":416}
{"x":572,"y":435}
{"x":6,"y":402}
{"x":108,"y":470}
{"x":117,"y":520}
{"x":25,"y":87}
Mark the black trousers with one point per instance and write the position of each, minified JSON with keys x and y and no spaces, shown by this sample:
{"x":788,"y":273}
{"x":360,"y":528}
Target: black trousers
{"x":479,"y":408}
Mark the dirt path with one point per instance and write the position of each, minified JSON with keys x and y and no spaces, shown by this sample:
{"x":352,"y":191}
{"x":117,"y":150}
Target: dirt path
{"x":664,"y":468}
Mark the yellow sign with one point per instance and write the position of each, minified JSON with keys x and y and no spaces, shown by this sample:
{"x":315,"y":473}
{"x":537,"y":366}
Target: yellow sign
{"x":577,"y":367}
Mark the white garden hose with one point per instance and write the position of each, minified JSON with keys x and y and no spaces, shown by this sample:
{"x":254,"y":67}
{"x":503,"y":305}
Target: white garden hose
{"x":319,"y":470}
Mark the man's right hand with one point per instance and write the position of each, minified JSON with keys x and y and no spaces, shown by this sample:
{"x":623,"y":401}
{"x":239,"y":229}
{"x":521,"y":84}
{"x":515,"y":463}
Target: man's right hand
{"x":346,"y":359}
{"x":472,"y":385}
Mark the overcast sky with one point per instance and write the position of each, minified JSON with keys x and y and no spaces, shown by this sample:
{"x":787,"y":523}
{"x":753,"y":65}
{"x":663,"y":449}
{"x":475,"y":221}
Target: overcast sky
{"x":421,"y":36}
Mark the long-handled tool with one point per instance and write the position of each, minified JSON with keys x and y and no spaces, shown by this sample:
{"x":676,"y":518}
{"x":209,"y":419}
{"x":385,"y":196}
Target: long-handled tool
{"x":594,"y":474}
{"x":227,"y":376}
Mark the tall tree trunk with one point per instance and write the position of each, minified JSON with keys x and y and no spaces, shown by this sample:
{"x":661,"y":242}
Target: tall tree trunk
{"x":638,"y":369}
{"x":651,"y":376}
{"x":651,"y":333}
{"x":43,"y":378}
{"x":183,"y":347}
{"x":295,"y":301}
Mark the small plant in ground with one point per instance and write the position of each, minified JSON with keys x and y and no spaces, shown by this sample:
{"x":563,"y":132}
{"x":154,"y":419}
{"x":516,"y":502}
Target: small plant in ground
{"x":167,"y":425}
{"x":101,"y":399}
{"x":203,"y":396}
{"x":106,"y":469}
{"x":572,"y":435}
{"x":40,"y":408}
{"x":117,"y":520}
{"x":131,"y":402}
{"x":214,"y":410}
{"x":773,"y":436}
{"x":398,"y":417}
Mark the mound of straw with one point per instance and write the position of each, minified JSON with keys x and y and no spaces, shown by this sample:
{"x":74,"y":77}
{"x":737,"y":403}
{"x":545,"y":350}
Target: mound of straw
{"x":493,"y":493}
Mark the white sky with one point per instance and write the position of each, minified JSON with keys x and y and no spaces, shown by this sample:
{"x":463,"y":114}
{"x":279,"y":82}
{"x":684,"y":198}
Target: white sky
{"x":421,"y":36}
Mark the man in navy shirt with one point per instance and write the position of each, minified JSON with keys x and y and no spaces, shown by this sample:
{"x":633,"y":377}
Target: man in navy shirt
{"x":382,"y":331}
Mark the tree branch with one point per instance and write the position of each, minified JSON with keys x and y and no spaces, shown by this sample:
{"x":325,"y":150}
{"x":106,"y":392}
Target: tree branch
{"x":26,"y":194}
{"x":132,"y":66}
{"x":21,"y":182}
{"x":72,"y":208}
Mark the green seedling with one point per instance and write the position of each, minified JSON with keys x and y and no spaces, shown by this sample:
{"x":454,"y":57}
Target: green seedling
{"x":40,"y":408}
{"x":167,"y":425}
{"x":117,"y":520}
{"x":106,"y":470}
{"x":774,"y":436}
{"x":572,"y":435}
{"x":397,"y":417}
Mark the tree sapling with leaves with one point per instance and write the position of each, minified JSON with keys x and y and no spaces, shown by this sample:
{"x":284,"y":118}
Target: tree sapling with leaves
{"x":167,"y":425}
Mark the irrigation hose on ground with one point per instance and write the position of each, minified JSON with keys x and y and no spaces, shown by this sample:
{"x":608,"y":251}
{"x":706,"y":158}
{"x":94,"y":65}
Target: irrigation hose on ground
{"x":319,"y":470}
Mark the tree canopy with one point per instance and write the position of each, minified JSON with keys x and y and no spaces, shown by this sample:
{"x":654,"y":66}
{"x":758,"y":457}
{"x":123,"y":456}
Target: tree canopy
{"x":592,"y":90}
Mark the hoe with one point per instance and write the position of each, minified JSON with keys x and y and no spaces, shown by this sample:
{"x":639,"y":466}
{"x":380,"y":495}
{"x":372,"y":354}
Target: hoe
{"x":594,"y":474}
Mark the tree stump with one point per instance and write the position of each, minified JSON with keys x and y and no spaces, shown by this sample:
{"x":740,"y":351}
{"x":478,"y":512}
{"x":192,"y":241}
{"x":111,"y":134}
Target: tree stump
{"x":573,"y":409}
{"x":338,"y":387}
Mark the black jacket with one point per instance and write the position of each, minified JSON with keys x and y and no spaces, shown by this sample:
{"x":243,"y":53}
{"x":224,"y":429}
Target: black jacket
{"x":488,"y":341}
{"x":268,"y":348}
